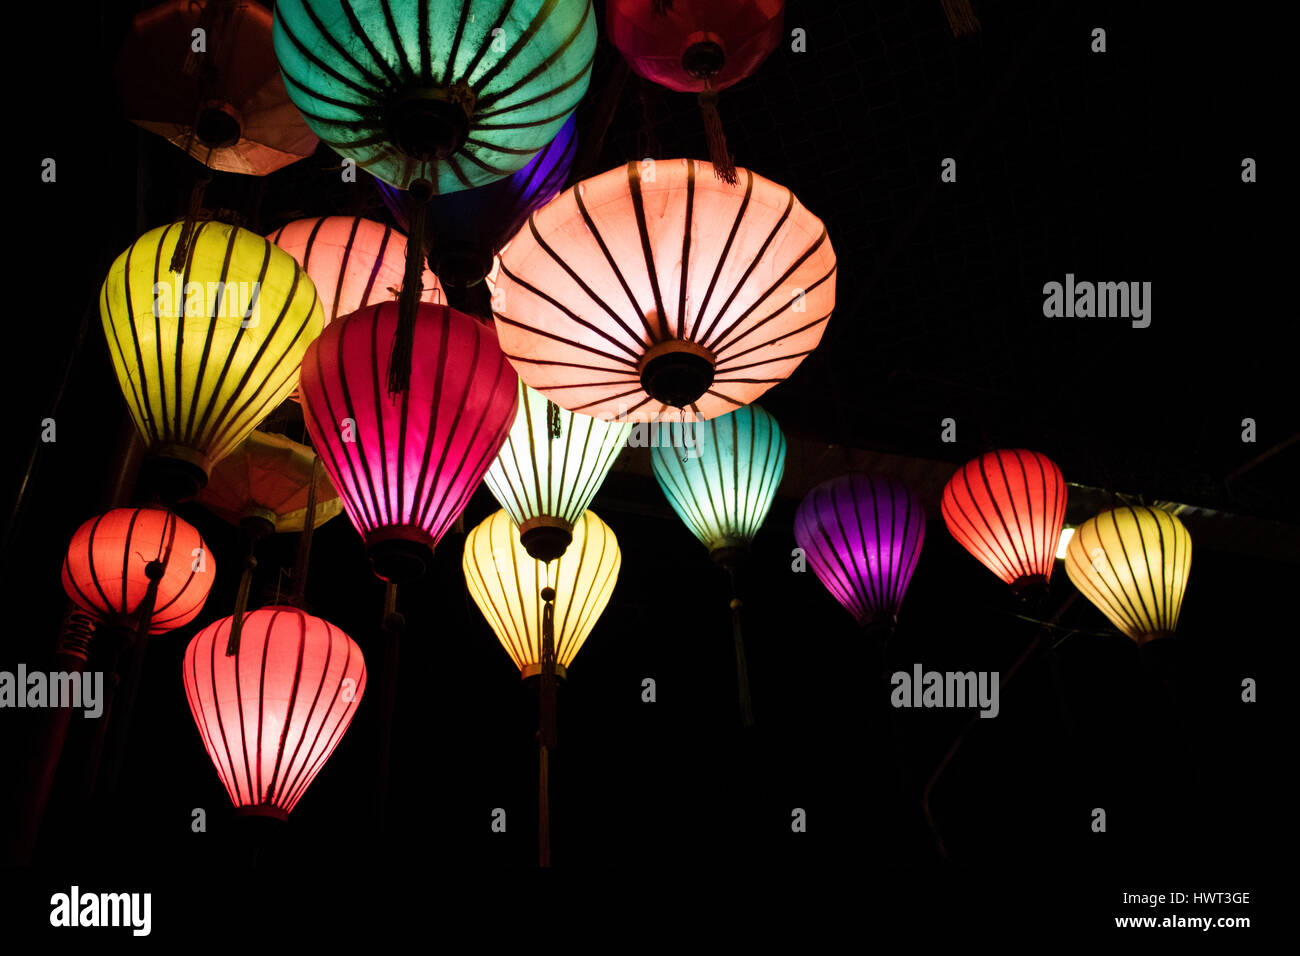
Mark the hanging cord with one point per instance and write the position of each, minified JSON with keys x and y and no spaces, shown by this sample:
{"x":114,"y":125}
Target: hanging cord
{"x":299,"y":596}
{"x":961,"y":17}
{"x":1033,"y":645}
{"x":394,"y":624}
{"x":724,"y":167}
{"x":546,"y":733}
{"x":738,"y":637}
{"x":193,"y":212}
{"x":553,"y":426}
{"x":245,"y":585}
{"x":408,"y":301}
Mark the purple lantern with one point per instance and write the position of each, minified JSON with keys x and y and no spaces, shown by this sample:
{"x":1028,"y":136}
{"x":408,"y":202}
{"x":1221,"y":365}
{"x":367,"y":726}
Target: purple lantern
{"x":862,"y":535}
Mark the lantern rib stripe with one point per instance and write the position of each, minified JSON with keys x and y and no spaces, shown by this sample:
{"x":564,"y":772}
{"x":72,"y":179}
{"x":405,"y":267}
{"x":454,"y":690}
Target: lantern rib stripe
{"x":422,"y":33}
{"x":784,"y":335}
{"x":571,"y":314}
{"x":232,"y":781}
{"x":283,"y":784}
{"x":992,"y":514}
{"x":702,"y":309}
{"x":457,"y":36}
{"x":269,"y":793}
{"x":686,"y":251}
{"x":721,"y":342}
{"x":1134,"y":601}
{"x":306,"y":53}
{"x":489,"y":98}
{"x":207,"y":339}
{"x":749,"y":271}
{"x":443,"y":351}
{"x":632,"y":175}
{"x":528,"y":33}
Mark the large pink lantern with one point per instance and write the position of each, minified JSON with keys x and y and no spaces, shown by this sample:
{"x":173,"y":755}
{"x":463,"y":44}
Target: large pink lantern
{"x":406,"y":465}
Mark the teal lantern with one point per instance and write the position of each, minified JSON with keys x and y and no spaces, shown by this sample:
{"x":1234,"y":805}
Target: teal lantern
{"x":721,"y":476}
{"x":550,"y":468}
{"x":454,"y":94}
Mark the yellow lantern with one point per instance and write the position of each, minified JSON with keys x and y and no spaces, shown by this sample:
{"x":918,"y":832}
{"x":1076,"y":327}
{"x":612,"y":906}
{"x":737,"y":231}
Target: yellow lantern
{"x":506,"y":583}
{"x":202,"y":357}
{"x":1132,"y":563}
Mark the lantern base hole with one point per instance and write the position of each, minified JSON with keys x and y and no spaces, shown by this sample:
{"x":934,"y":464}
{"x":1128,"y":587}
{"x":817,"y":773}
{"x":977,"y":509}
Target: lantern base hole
{"x":172,"y":479}
{"x":426,"y":127}
{"x":678,"y":379}
{"x":545,"y":542}
{"x":1031,"y":587}
{"x":217,"y":129}
{"x":704,"y":59}
{"x":398,"y":561}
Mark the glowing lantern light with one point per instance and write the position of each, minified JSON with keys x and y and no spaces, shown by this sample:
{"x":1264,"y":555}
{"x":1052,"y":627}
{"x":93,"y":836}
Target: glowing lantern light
{"x":453,"y":94}
{"x":405,"y":468}
{"x":1132,"y":563}
{"x":1006,"y":508}
{"x":722,"y":481}
{"x":105,"y":570}
{"x":506,"y":584}
{"x":225,"y":105}
{"x":353,"y":262}
{"x":466,"y":229}
{"x":549,"y":469}
{"x":697,"y":47}
{"x":203,"y":357}
{"x":721,"y":484}
{"x":656,"y":285}
{"x":271,"y":715}
{"x":862,"y":535}
{"x":268,"y":479}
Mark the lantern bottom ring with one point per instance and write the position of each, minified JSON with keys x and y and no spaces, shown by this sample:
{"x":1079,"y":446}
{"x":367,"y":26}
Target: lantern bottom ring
{"x":545,"y":538}
{"x":1030,"y":586}
{"x":399,"y":554}
{"x":534,"y":672}
{"x":677,"y":372}
{"x":175,"y":472}
{"x":264,"y":810}
{"x":427,"y":125}
{"x":728,"y":556}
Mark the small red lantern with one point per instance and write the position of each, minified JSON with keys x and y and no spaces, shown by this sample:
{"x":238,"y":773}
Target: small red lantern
{"x":1007,"y":508}
{"x":105,"y":569}
{"x":697,"y":46}
{"x":271,"y":714}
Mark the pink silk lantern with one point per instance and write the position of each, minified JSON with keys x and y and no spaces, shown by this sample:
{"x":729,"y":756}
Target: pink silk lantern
{"x":406,"y":465}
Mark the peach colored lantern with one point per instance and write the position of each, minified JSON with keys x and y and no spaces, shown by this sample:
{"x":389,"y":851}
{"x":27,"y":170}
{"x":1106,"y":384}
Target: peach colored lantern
{"x":657,"y":286}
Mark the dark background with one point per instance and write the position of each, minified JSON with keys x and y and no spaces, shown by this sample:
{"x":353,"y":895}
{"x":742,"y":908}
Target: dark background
{"x":1118,"y":166}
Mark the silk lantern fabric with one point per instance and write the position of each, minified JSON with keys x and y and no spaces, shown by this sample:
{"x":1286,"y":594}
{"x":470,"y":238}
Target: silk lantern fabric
{"x":406,"y":467}
{"x":466,"y":229}
{"x":104,"y":567}
{"x":453,"y":95}
{"x":203,"y":357}
{"x":669,"y":47}
{"x":271,"y":715}
{"x":545,"y":483}
{"x":657,"y":286}
{"x":269,"y":476}
{"x":1133,"y":563}
{"x":506,"y":584}
{"x":723,"y":483}
{"x":1006,"y":508}
{"x":862,"y":535}
{"x":353,"y":262}
{"x":226,"y":104}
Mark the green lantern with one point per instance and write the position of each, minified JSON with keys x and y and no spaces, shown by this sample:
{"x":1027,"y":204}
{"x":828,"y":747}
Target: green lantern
{"x":720,"y":476}
{"x":550,"y":468}
{"x":449,"y":95}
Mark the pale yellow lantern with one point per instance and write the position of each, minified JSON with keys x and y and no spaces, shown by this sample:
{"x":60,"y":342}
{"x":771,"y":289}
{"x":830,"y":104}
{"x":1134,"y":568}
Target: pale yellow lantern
{"x":1132,"y":563}
{"x":202,"y":357}
{"x":506,"y":583}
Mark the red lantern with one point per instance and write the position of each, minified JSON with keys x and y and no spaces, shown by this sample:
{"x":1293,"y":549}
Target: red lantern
{"x":697,"y":46}
{"x":406,"y":466}
{"x":104,"y":571}
{"x":1007,"y":508}
{"x":271,"y":714}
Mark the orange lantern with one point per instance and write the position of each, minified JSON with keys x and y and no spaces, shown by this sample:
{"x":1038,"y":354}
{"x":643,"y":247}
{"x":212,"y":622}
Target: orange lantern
{"x":656,"y":285}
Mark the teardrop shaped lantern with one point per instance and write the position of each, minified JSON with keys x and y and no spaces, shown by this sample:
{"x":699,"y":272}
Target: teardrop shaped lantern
{"x":657,"y":286}
{"x":697,"y":46}
{"x":268,"y":479}
{"x":203,"y":357}
{"x":353,"y":262}
{"x":862,"y":535}
{"x":721,"y":477}
{"x":406,"y":467}
{"x":506,"y":584}
{"x":1007,"y":508}
{"x":225,"y":104}
{"x":452,"y":95}
{"x":1132,"y":563}
{"x":465,"y":230}
{"x":550,"y":467}
{"x":105,"y":570}
{"x":271,"y":714}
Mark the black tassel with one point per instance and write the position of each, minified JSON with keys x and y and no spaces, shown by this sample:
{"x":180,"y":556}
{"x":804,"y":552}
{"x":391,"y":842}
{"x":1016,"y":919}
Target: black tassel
{"x":553,"y":427}
{"x":723,"y":165}
{"x":408,"y":301}
{"x":961,"y":17}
